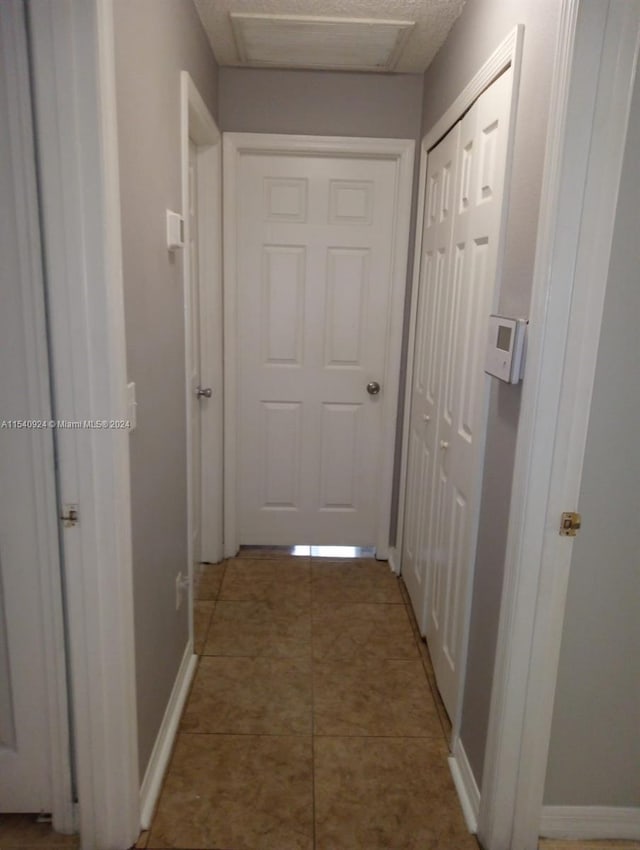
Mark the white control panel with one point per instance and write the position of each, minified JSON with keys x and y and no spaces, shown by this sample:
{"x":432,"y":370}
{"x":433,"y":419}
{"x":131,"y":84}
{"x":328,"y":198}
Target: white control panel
{"x":506,"y":348}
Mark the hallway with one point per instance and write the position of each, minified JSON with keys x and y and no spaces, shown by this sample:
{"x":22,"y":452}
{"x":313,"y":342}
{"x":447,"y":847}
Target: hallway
{"x":313,"y":720}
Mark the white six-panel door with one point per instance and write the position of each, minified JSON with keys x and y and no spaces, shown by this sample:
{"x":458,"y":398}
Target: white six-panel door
{"x":460,"y":253}
{"x":315,"y":267}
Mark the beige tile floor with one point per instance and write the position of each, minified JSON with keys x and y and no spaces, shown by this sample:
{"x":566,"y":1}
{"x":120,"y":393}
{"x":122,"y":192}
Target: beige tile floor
{"x":23,"y":832}
{"x":313,"y":722}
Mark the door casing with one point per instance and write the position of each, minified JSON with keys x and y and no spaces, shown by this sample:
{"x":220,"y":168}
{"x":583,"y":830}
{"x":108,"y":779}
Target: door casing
{"x":197,"y":123}
{"x":402,"y":152}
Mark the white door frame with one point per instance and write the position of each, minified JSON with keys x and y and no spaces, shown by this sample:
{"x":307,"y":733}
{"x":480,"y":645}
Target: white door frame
{"x":507,"y":54}
{"x":43,"y":526}
{"x":402,"y":152}
{"x":197,"y":124}
{"x":74,"y":85}
{"x":588,"y":119}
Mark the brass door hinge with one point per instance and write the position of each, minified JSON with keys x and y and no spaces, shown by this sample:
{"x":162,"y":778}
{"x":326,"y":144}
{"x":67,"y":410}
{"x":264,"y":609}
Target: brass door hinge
{"x":69,"y":516}
{"x":570,"y":524}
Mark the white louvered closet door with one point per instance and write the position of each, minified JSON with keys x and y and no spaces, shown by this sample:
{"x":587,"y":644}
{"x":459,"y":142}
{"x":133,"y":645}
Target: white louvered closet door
{"x":446,"y":457}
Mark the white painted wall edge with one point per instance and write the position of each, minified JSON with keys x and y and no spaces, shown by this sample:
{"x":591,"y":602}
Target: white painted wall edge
{"x":590,"y":822}
{"x":466,"y":785}
{"x":161,"y":753}
{"x":403,"y":152}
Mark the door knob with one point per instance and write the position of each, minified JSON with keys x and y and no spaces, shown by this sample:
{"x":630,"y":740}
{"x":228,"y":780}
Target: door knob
{"x":204,"y":393}
{"x":444,"y":444}
{"x":373,"y":388}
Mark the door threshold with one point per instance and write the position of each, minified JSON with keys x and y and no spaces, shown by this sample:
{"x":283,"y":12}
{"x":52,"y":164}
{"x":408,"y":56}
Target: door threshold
{"x":307,"y":551}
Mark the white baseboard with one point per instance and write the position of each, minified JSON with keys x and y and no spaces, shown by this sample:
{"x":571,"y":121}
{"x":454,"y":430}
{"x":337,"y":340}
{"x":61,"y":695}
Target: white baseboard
{"x":585,"y":822}
{"x":157,"y":766}
{"x":394,"y":560}
{"x":466,"y":785}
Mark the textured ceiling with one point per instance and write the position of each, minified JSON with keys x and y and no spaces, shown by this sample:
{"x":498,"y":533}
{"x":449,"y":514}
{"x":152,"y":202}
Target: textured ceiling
{"x":433,"y":19}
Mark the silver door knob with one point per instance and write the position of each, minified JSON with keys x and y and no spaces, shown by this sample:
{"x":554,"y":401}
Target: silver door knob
{"x":204,"y":393}
{"x":444,"y":444}
{"x":373,"y":388}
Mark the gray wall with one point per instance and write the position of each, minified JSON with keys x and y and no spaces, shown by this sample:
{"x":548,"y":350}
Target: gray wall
{"x":154,"y":41}
{"x":477,"y":32}
{"x":595,"y":740}
{"x":320,"y":103}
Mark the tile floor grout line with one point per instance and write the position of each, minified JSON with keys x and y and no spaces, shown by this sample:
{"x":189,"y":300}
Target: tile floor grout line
{"x":418,"y":639}
{"x":434,"y":696}
{"x":437,"y":699}
{"x":193,"y":733}
{"x":207,"y":630}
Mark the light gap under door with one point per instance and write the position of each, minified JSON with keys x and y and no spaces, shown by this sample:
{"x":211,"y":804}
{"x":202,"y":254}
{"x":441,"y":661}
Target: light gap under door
{"x":306,"y":551}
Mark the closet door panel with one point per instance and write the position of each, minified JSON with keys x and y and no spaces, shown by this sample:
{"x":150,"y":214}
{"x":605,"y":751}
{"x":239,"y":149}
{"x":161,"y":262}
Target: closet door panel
{"x":463,"y":221}
{"x":429,"y":357}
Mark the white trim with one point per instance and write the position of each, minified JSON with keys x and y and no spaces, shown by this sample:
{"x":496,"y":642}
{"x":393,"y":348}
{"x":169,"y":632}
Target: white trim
{"x":394,"y":560}
{"x":197,"y":124}
{"x":402,"y":152}
{"x":586,"y":136}
{"x":229,"y":306}
{"x":211,"y":350}
{"x":161,"y":753}
{"x":466,"y":786}
{"x":411,"y":345}
{"x":508,"y":53}
{"x":44,"y":524}
{"x":590,"y":822}
{"x":74,"y":84}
